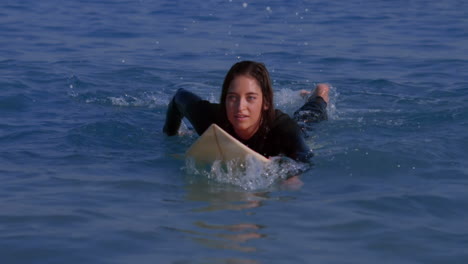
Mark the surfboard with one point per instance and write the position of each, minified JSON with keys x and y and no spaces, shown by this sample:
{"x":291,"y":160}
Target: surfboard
{"x":216,"y":144}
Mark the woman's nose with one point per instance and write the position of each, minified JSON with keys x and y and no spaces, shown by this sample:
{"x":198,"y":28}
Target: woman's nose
{"x":242,"y":103}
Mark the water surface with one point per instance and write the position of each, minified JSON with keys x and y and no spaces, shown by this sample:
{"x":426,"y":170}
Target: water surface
{"x":88,"y":176}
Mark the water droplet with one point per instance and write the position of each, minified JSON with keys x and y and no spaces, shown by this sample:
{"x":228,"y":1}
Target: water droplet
{"x":244,"y":5}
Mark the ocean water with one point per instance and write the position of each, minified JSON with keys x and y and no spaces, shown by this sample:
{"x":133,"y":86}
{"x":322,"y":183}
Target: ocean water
{"x":88,"y":176}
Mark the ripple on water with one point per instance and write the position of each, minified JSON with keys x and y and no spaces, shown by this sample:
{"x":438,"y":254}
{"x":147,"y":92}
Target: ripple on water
{"x":15,"y":103}
{"x":114,"y":134}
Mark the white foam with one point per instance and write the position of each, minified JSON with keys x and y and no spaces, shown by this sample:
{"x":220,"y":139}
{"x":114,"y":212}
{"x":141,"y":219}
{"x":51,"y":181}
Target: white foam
{"x":251,"y":175}
{"x":333,"y":97}
{"x":120,"y":101}
{"x":288,"y":100}
{"x":146,"y":99}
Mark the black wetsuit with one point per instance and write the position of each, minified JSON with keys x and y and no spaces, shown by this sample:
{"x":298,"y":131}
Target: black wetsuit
{"x":284,"y":137}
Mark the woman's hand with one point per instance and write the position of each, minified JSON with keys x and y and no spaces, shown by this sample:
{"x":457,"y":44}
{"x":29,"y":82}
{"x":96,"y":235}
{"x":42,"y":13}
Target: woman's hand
{"x":304,"y":93}
{"x":292,"y":183}
{"x":322,"y":90}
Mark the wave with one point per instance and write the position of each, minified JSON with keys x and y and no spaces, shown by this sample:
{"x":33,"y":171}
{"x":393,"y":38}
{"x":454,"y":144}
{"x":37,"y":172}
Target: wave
{"x":142,"y":99}
{"x":97,"y":90}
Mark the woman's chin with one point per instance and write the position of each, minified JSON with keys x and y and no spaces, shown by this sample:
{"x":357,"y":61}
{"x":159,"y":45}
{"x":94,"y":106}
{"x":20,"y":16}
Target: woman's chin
{"x":244,"y":132}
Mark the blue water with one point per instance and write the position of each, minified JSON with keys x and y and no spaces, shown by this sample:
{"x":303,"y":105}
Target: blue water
{"x":88,"y":177}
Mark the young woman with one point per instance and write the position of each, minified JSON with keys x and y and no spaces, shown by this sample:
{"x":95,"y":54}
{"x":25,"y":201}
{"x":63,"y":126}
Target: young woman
{"x":246,"y":111}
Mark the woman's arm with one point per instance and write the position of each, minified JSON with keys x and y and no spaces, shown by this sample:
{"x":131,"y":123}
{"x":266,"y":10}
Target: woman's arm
{"x":189,"y":105}
{"x":322,"y":90}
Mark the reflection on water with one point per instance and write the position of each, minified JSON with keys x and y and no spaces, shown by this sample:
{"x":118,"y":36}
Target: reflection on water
{"x":233,"y":261}
{"x":228,"y":236}
{"x":212,"y":218}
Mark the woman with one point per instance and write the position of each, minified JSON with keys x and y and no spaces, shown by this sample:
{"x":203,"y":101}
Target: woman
{"x":246,"y":111}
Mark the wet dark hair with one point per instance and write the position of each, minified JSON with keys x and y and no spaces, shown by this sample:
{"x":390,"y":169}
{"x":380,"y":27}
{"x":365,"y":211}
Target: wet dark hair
{"x":259,"y":72}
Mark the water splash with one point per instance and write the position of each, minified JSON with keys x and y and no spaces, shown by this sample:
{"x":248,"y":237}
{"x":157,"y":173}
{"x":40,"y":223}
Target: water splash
{"x":250,"y":174}
{"x":290,"y":100}
{"x":331,"y":107}
{"x":144,"y":99}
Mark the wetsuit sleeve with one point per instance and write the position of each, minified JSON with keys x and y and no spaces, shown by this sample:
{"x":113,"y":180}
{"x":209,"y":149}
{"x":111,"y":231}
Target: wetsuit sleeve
{"x":199,"y":112}
{"x":302,"y":153}
{"x":288,"y":140}
{"x":314,"y":110}
{"x":295,"y":146}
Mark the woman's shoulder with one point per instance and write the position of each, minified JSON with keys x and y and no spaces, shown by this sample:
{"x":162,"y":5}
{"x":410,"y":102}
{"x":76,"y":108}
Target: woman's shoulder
{"x":282,"y":120}
{"x":286,"y":132}
{"x":284,"y":125}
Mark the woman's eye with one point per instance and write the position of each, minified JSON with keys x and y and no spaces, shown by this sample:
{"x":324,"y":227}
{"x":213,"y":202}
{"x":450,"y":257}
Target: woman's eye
{"x":251,"y":98}
{"x":231,"y":98}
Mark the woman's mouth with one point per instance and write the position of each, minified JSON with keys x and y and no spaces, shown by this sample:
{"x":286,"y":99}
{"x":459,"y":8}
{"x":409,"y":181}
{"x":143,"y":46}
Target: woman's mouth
{"x":241,"y":117}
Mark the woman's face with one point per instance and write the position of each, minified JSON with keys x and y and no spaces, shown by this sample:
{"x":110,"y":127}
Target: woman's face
{"x":244,"y":101}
